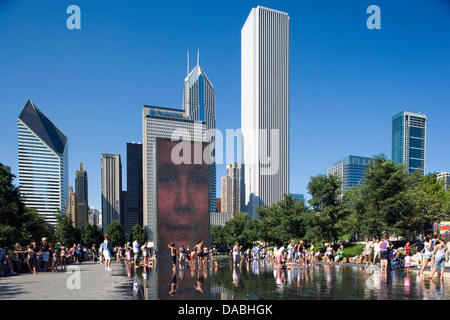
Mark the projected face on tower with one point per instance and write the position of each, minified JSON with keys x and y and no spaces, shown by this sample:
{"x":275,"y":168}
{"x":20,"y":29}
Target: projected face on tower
{"x":182,"y":195}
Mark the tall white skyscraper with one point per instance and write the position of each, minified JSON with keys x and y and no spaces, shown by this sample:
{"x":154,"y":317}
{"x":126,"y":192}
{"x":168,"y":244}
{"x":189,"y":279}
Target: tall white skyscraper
{"x":265,"y":106}
{"x":43,"y":163}
{"x":199,"y":104}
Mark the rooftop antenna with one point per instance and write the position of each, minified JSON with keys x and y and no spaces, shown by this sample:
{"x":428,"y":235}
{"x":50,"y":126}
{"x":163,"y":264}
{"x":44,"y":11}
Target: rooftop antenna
{"x":198,"y":57}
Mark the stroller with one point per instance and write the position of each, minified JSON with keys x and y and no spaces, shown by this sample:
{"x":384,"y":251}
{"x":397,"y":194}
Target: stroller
{"x":397,"y":259}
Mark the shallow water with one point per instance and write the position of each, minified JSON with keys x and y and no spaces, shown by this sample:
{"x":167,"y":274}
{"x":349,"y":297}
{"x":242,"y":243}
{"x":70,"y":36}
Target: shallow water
{"x":259,"y":280}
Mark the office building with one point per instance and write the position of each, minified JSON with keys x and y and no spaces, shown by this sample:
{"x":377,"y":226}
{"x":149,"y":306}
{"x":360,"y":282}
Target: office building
{"x":72,"y":208}
{"x":81,"y":189}
{"x":111,"y":168}
{"x":446,"y":177}
{"x":297,"y":196}
{"x":199,"y":103}
{"x":265,"y":106}
{"x":160,"y":122}
{"x":134,"y":198}
{"x":43,"y":163}
{"x":409,"y":134}
{"x":350,"y":170}
{"x":232,"y":189}
{"x":94,"y":217}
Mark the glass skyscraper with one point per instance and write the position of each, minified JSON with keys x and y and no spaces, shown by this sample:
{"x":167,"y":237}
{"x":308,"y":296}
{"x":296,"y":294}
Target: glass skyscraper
{"x":351,"y":170}
{"x":409,"y":132}
{"x":43,"y":163}
{"x":199,"y":104}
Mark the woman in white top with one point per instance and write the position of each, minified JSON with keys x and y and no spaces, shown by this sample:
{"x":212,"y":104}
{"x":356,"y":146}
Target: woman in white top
{"x":440,"y":251}
{"x":427,"y":254}
{"x":376,"y":250}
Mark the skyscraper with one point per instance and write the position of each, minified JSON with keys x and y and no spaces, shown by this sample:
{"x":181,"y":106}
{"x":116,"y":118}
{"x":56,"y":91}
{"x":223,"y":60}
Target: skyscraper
{"x":81,"y":189}
{"x":111,"y":167}
{"x":134,"y":187}
{"x":265,"y":106}
{"x":350,"y":170}
{"x":43,"y":163}
{"x":159,"y":122}
{"x":199,"y":103}
{"x":232,"y":188}
{"x":446,"y":177}
{"x":409,"y":133}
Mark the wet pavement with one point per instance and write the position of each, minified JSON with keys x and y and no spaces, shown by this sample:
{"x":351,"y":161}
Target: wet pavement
{"x":85,"y":281}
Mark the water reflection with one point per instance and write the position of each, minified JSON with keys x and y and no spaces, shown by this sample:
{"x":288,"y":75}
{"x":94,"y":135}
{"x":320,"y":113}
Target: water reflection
{"x":222,"y":280}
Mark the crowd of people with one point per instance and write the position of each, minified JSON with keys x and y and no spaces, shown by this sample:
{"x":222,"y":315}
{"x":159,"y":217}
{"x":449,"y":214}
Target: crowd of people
{"x":379,"y":251}
{"x":42,"y":256}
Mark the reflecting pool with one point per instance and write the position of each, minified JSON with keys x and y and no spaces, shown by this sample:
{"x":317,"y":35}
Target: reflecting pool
{"x":261,"y":280}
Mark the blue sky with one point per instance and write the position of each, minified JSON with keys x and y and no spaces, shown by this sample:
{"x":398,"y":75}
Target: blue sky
{"x":346,"y":81}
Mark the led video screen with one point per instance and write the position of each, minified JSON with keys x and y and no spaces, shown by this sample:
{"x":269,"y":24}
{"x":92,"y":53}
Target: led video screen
{"x":182,"y":195}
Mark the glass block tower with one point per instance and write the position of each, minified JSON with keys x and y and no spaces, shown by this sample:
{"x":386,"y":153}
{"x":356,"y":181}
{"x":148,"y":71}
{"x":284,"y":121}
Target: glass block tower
{"x":43,"y":163}
{"x":350,"y":170}
{"x":199,"y":104}
{"x":409,"y":133}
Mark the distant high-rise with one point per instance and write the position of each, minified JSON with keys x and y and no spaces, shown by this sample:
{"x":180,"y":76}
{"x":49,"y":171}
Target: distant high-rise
{"x":111,"y":167}
{"x":72,"y":208}
{"x":134,"y":196}
{"x":409,"y":133}
{"x":265,"y":106}
{"x":350,"y":170}
{"x":446,"y":177}
{"x":232,"y":188}
{"x":159,"y":122}
{"x":199,"y":103}
{"x":81,"y":189}
{"x":43,"y":163}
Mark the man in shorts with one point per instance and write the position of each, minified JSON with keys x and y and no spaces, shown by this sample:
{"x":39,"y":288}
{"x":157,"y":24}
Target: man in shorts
{"x":136,"y":249}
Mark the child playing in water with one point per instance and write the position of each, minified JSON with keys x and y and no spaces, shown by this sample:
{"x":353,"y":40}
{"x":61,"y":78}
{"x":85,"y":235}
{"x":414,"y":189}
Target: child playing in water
{"x":408,"y":261}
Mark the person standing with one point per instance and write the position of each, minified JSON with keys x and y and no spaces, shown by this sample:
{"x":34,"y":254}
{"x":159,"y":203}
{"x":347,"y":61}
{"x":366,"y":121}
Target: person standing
{"x":236,"y":253}
{"x":79,"y":253}
{"x":376,"y":250}
{"x":384,"y":254}
{"x":173,"y":254}
{"x":136,"y":252}
{"x":427,"y":254}
{"x":368,"y":252}
{"x":441,"y":255}
{"x":420,"y":247}
{"x":107,"y":252}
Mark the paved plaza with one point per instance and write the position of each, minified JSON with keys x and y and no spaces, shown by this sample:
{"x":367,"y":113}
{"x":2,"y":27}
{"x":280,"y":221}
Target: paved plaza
{"x":85,"y":281}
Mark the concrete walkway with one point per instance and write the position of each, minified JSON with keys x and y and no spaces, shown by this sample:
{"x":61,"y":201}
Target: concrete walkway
{"x":85,"y":281}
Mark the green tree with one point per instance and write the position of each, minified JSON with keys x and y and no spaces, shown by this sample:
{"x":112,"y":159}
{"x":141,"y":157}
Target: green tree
{"x":137,"y":232}
{"x":116,"y":235}
{"x":65,"y":232}
{"x":281,"y":221}
{"x":241,"y":228}
{"x":384,"y":204}
{"x":331,"y":209}
{"x":218,"y":235}
{"x":432,"y":202}
{"x":91,"y":235}
{"x":16,"y":220}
